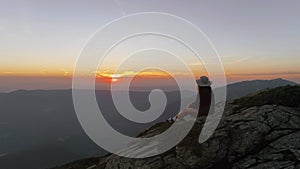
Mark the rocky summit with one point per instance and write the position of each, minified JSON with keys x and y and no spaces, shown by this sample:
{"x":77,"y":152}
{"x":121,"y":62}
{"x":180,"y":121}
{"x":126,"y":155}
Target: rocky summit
{"x":254,"y":135}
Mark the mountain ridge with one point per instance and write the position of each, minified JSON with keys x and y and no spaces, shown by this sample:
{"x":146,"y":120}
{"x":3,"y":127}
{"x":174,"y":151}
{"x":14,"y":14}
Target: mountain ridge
{"x":240,"y":89}
{"x":280,"y":81}
{"x":254,"y":137}
{"x":42,"y":118}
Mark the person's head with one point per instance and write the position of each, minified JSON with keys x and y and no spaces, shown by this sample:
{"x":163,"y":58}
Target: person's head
{"x":203,"y":81}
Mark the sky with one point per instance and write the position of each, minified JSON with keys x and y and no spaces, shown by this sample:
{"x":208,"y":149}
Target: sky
{"x":41,"y":40}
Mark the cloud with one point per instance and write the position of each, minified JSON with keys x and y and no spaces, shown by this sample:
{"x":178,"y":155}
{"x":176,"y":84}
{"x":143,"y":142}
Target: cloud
{"x":266,"y":74}
{"x":240,"y":60}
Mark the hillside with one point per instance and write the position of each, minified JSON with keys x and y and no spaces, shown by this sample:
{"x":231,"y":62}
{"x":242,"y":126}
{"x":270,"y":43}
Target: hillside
{"x":240,"y":89}
{"x":259,"y":135}
{"x":46,"y":123}
{"x":284,"y":95}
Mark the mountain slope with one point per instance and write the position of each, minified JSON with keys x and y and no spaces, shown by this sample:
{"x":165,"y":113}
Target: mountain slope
{"x":254,"y":137}
{"x":280,"y":96}
{"x":244,"y":88}
{"x":46,"y":123}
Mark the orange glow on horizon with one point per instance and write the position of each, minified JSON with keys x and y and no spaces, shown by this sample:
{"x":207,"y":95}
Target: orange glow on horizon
{"x":109,"y":77}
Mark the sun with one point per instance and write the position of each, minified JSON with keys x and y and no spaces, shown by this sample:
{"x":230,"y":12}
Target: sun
{"x":109,"y":78}
{"x":114,"y":80}
{"x":114,"y":77}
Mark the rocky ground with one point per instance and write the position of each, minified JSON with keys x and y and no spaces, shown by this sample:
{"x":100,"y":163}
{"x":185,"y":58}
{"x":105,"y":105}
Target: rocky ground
{"x":253,"y":137}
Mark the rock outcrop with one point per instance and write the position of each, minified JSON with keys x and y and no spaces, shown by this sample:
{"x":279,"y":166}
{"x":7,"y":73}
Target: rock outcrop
{"x":257,"y":137}
{"x":252,"y":137}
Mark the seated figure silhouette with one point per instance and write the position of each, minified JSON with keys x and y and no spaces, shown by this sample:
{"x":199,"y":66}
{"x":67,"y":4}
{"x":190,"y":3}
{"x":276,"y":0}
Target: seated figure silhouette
{"x":203,"y":103}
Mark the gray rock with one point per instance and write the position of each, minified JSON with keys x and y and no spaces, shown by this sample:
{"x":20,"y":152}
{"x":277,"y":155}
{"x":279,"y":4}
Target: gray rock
{"x":257,"y":137}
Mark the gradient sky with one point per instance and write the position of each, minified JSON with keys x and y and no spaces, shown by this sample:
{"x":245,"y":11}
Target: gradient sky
{"x":256,"y":39}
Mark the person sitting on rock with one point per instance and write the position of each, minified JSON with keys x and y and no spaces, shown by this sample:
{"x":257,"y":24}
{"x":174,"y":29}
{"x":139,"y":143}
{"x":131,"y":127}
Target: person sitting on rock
{"x":204,"y":99}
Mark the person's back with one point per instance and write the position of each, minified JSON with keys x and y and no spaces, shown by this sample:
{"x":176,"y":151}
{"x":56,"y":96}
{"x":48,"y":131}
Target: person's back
{"x":203,"y":103}
{"x":205,"y":94}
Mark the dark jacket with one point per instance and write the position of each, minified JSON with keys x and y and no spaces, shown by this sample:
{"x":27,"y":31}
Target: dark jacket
{"x":204,"y":102}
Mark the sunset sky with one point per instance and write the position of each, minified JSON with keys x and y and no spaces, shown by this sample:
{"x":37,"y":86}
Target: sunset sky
{"x":40,"y":40}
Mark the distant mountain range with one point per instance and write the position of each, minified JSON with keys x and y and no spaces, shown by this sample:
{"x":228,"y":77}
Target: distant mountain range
{"x":39,"y":128}
{"x":244,"y":88}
